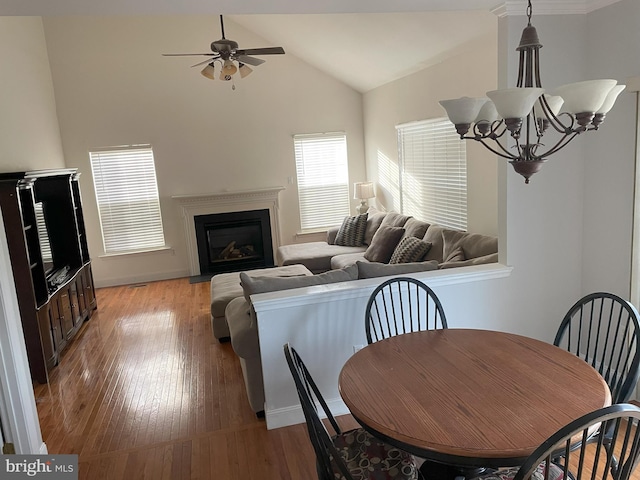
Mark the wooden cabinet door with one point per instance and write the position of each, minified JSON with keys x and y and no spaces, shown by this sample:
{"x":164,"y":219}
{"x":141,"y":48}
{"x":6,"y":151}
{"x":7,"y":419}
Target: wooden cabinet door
{"x":80,"y":289}
{"x":66,"y":314}
{"x":89,"y":292}
{"x":47,"y":336}
{"x":56,"y":324}
{"x":73,"y":301}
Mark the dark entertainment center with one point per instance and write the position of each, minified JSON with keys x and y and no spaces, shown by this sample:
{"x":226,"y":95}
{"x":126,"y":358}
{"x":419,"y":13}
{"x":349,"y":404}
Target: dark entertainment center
{"x":44,"y":224}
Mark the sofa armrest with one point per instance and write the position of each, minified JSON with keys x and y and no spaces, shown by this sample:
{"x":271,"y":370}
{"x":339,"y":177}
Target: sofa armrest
{"x":332,"y":233}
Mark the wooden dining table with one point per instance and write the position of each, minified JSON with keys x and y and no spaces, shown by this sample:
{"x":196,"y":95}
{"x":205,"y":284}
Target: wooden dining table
{"x":473,"y":398}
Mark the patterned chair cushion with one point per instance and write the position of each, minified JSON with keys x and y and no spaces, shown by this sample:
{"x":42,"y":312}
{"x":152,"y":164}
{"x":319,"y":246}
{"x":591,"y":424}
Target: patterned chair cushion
{"x":367,"y":457}
{"x":555,"y":473}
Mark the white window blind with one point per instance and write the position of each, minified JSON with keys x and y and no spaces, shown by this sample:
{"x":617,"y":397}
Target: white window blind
{"x":433,"y":173}
{"x":128,"y":202}
{"x":323,"y":179}
{"x":43,"y":235}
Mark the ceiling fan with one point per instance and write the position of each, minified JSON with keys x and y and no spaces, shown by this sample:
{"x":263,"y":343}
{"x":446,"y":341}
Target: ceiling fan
{"x":226,"y":52}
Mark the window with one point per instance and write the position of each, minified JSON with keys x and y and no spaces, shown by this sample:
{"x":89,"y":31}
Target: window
{"x":128,"y":202}
{"x":323,"y":179}
{"x":433,"y":173}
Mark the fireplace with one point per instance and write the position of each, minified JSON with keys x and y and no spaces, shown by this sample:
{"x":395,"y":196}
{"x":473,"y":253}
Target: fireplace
{"x":192,"y":206}
{"x":235,"y":241}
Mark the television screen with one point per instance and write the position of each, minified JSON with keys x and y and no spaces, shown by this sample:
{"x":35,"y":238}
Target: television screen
{"x":43,"y":237}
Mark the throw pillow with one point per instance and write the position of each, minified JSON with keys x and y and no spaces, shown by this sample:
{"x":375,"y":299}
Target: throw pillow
{"x":456,"y":255}
{"x":383,"y":244}
{"x":415,"y":228}
{"x":351,"y":233}
{"x":374,"y":270}
{"x":410,"y":249}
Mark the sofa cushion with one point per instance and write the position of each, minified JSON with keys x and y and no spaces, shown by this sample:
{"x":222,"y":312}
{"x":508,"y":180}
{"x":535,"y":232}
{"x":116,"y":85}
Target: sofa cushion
{"x":352,"y":230}
{"x":491,"y":258}
{"x":255,"y":285}
{"x":456,"y":255}
{"x":346,"y":260}
{"x":374,"y":270}
{"x":373,"y":223}
{"x":226,"y":286}
{"x":316,"y":256}
{"x":410,"y":249}
{"x":332,"y":233}
{"x":242,"y":328}
{"x":434,"y":237}
{"x":415,"y":228}
{"x":394,"y":219}
{"x":473,"y":244}
{"x":383,"y":243}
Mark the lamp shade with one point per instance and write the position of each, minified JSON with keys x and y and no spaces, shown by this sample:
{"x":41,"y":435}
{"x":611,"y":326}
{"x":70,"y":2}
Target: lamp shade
{"x":554,"y":102}
{"x":515,"y":102}
{"x":209,"y":72}
{"x":611,"y":98}
{"x":244,"y":70}
{"x":463,"y":110}
{"x":363,"y":190}
{"x":587,"y":96}
{"x":488,"y":113}
{"x":229,"y":68}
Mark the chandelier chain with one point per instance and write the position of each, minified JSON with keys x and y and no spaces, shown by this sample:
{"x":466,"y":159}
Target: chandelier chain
{"x":529,"y":12}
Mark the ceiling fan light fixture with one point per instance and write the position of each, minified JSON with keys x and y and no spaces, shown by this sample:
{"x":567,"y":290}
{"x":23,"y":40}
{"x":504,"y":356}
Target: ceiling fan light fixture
{"x":209,"y":71}
{"x":244,"y":70}
{"x":229,"y":68}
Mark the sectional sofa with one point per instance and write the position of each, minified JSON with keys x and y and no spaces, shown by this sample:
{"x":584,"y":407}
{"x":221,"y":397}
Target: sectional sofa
{"x":389,"y":244}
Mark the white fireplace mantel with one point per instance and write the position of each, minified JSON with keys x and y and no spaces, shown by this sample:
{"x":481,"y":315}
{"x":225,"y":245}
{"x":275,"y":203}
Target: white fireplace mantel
{"x":226,"y":202}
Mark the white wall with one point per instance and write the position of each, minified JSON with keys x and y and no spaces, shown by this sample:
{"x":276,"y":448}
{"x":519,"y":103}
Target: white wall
{"x":416,"y":97}
{"x":610,"y":154}
{"x":113,"y":87}
{"x":29,"y":132}
{"x":29,"y":139}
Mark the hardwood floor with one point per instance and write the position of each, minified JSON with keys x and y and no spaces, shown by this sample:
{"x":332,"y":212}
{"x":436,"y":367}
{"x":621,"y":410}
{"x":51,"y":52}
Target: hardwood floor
{"x":146,"y":391}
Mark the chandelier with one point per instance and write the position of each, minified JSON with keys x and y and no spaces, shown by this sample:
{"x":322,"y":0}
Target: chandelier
{"x":526,"y":113}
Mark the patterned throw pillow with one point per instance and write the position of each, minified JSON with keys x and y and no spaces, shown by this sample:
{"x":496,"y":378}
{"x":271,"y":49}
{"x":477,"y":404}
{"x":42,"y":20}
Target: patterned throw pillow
{"x":410,"y":249}
{"x":351,"y":233}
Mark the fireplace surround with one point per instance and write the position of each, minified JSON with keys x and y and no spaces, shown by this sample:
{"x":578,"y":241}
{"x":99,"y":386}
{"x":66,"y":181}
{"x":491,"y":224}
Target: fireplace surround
{"x":192,"y":206}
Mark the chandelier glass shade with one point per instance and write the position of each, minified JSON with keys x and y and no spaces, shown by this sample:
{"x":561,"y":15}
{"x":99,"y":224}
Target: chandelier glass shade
{"x":526,"y":113}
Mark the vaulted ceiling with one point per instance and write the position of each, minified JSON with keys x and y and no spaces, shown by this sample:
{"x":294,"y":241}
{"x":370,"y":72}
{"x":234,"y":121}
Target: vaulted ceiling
{"x":364,"y":44}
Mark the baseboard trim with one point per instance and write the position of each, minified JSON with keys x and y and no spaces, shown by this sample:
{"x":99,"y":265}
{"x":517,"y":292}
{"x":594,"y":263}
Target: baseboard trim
{"x":154,"y":277}
{"x":293,"y":415}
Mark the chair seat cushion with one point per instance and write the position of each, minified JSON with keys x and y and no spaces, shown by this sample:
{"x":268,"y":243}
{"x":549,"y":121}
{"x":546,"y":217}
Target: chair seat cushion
{"x":367,"y":457}
{"x":555,"y":473}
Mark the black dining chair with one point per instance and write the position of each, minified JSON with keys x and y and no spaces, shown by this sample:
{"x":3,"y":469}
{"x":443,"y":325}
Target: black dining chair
{"x":587,"y":461}
{"x":402,"y":305}
{"x":603,"y":330}
{"x":348,"y":455}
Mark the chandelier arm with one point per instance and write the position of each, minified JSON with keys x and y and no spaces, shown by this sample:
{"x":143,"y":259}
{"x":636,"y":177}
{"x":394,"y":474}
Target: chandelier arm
{"x":506,"y":153}
{"x":520,"y":69}
{"x":560,"y":144}
{"x":554,"y":120}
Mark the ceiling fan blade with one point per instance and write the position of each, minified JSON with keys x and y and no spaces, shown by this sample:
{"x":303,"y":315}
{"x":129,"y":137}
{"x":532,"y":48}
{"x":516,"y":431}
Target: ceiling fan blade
{"x":185,"y":54}
{"x":261,"y":51}
{"x":249,"y":60}
{"x":208,"y":60}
